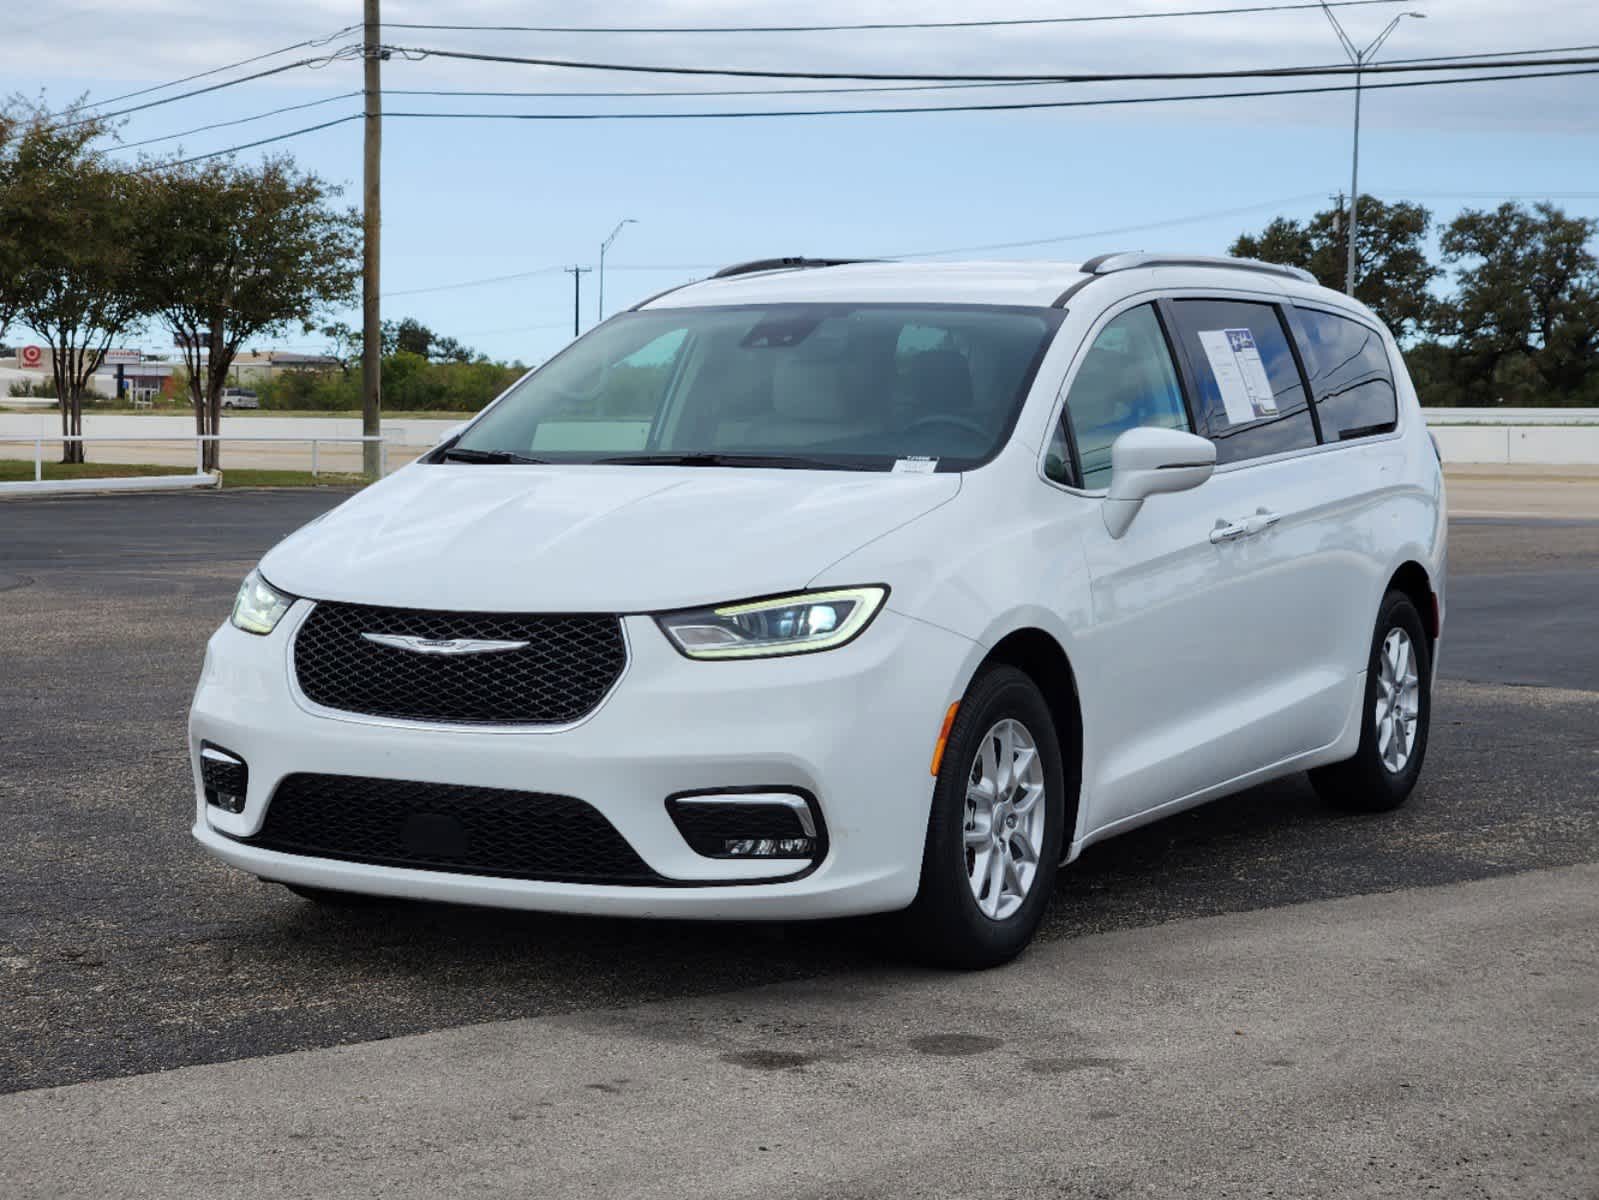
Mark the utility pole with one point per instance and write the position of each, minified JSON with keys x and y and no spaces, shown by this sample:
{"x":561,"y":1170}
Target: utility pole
{"x":604,"y":246}
{"x":577,"y":274}
{"x":371,"y":193}
{"x":1359,"y":58}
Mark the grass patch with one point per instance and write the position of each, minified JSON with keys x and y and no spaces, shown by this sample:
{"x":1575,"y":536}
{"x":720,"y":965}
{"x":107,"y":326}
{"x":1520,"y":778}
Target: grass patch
{"x":16,"y":469}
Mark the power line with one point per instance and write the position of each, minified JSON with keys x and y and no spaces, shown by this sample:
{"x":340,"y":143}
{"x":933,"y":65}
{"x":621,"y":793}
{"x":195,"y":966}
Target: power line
{"x":869,"y":25}
{"x":243,"y":62}
{"x":470,"y":283}
{"x":420,"y":52}
{"x":167,"y":137}
{"x":1010,"y":106}
{"x":829,"y":91}
{"x":651,"y":95}
{"x":859,"y":112}
{"x":1216,"y":215}
{"x":282,"y":137}
{"x":1494,"y":54}
{"x":215,"y":87}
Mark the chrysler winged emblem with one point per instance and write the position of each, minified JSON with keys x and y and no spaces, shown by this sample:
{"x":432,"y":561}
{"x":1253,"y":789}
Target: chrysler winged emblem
{"x":422,"y":645}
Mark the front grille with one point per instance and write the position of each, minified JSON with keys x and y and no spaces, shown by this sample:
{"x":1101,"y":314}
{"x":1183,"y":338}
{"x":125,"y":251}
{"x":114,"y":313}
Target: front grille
{"x":447,"y":827}
{"x":560,"y":676}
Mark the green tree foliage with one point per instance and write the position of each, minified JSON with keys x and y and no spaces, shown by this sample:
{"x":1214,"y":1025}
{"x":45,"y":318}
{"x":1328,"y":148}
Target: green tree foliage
{"x":1524,"y":315}
{"x":1392,"y":270}
{"x":70,"y":232}
{"x":411,"y":383}
{"x":236,"y":252}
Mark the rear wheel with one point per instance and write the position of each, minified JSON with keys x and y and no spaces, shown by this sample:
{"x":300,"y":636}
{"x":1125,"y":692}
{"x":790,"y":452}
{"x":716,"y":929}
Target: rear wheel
{"x":1395,"y":718}
{"x":994,"y":834}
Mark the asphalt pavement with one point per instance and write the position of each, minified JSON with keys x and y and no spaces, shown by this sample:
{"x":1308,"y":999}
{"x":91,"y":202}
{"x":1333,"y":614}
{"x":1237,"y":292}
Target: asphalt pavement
{"x":124,"y":950}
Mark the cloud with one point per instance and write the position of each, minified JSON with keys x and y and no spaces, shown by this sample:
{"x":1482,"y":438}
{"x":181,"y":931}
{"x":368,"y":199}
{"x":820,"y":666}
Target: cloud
{"x":111,"y":45}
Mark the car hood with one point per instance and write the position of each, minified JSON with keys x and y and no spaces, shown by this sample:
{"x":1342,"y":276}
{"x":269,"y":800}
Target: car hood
{"x":573,"y":538}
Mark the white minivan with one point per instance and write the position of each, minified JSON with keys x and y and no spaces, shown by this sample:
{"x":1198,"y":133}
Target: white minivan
{"x":822,"y":588}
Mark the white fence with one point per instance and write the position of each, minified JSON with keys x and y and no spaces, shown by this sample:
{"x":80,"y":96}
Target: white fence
{"x":40,"y":440}
{"x":1512,"y":416}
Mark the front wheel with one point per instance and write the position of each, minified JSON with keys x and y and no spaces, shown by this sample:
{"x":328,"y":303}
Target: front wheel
{"x":1396,"y":717}
{"x":994,"y":835}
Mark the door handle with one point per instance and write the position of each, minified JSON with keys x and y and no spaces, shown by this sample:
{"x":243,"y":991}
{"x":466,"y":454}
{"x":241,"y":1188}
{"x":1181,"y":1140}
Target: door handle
{"x":1263,"y":520}
{"x":1226,"y":533}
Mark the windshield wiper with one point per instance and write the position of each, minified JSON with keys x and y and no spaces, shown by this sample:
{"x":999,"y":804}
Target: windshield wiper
{"x":789,"y":461}
{"x":463,"y":454}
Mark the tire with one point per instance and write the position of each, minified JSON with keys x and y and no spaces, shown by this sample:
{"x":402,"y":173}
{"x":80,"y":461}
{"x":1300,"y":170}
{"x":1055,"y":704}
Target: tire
{"x":1382,"y":773}
{"x":334,"y":899}
{"x":947,"y":924}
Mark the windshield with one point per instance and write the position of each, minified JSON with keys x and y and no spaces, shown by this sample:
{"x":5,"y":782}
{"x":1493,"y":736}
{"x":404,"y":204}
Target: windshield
{"x":840,"y":386}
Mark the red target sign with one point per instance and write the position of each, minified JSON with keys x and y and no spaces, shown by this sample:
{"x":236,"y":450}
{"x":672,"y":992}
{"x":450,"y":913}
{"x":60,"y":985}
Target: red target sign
{"x":30,"y":356}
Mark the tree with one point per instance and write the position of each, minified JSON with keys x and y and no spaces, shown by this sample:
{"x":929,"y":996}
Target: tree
{"x":235,"y":252}
{"x":344,"y":344}
{"x":12,"y":251}
{"x":72,"y":231}
{"x":411,"y":337}
{"x":1392,"y":269}
{"x":1526,"y":296}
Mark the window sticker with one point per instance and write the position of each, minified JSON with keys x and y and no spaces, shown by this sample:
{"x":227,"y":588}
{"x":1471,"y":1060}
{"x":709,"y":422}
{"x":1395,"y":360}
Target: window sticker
{"x":916,"y":465}
{"x":1240,"y":375}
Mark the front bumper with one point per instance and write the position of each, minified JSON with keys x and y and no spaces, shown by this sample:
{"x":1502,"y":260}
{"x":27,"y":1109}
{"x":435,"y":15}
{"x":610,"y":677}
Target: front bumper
{"x":854,"y":727}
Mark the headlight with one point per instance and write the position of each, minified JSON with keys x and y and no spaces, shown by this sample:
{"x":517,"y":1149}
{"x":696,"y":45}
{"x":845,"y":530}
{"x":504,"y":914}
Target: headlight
{"x":259,"y":606}
{"x":763,"y":628}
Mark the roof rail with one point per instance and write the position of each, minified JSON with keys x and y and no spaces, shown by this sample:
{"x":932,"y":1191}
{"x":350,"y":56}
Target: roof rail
{"x":1107,"y":263}
{"x":778,"y":264}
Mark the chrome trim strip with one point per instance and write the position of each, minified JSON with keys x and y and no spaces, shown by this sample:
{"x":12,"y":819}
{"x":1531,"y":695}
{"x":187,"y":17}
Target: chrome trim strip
{"x":788,"y":799}
{"x":422,"y":645}
{"x":221,"y":756}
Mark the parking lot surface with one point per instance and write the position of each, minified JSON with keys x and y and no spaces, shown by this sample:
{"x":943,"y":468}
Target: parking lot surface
{"x":124,"y":951}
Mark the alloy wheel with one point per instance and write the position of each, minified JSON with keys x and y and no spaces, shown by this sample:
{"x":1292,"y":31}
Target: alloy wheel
{"x":1398,"y":703}
{"x":1004,"y":826}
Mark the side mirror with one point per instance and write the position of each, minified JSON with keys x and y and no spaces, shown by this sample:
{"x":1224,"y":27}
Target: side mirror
{"x":1147,"y":461}
{"x":449,"y":432}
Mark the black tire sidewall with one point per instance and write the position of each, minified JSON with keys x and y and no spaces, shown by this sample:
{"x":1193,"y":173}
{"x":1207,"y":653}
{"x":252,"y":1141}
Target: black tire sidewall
{"x":947,"y":925}
{"x":1378,"y":787}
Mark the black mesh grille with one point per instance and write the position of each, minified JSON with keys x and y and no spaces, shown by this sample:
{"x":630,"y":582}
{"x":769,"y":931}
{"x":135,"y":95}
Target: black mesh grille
{"x":445,"y":827}
{"x":563,"y":672}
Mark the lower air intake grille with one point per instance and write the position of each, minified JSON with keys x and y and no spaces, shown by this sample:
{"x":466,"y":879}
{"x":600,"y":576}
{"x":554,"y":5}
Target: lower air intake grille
{"x":446,"y":827}
{"x":528,"y":669}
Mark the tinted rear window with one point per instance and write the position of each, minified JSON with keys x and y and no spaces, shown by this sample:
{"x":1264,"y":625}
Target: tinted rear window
{"x":1251,"y":400}
{"x":1350,"y":379}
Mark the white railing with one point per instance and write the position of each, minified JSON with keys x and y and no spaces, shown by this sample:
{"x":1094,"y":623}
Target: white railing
{"x":199,"y":440}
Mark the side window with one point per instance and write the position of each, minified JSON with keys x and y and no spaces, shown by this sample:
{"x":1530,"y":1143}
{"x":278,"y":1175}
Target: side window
{"x":1251,"y":400}
{"x":1058,"y":457}
{"x":1126,"y":380}
{"x":1350,"y":379}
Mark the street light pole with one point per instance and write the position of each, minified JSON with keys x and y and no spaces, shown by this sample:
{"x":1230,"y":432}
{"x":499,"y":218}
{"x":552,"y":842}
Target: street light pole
{"x":604,"y":246}
{"x":1359,"y":58}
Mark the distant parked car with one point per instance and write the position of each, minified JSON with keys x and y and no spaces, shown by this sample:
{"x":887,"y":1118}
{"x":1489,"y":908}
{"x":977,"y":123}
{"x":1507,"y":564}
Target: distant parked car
{"x":816,"y":589}
{"x":240,"y":398}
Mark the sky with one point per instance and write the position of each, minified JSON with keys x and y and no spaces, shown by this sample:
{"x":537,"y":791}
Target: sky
{"x":466,"y":200}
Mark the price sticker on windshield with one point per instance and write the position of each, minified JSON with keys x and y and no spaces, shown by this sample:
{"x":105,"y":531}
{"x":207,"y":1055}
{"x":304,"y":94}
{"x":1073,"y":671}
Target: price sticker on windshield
{"x":919,"y":465}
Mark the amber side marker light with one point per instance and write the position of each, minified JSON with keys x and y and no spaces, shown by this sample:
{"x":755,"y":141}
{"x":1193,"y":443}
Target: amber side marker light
{"x":943,"y":736}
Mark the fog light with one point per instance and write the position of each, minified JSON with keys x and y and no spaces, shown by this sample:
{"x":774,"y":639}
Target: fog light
{"x":768,"y":847}
{"x":749,"y":824}
{"x":225,"y":778}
